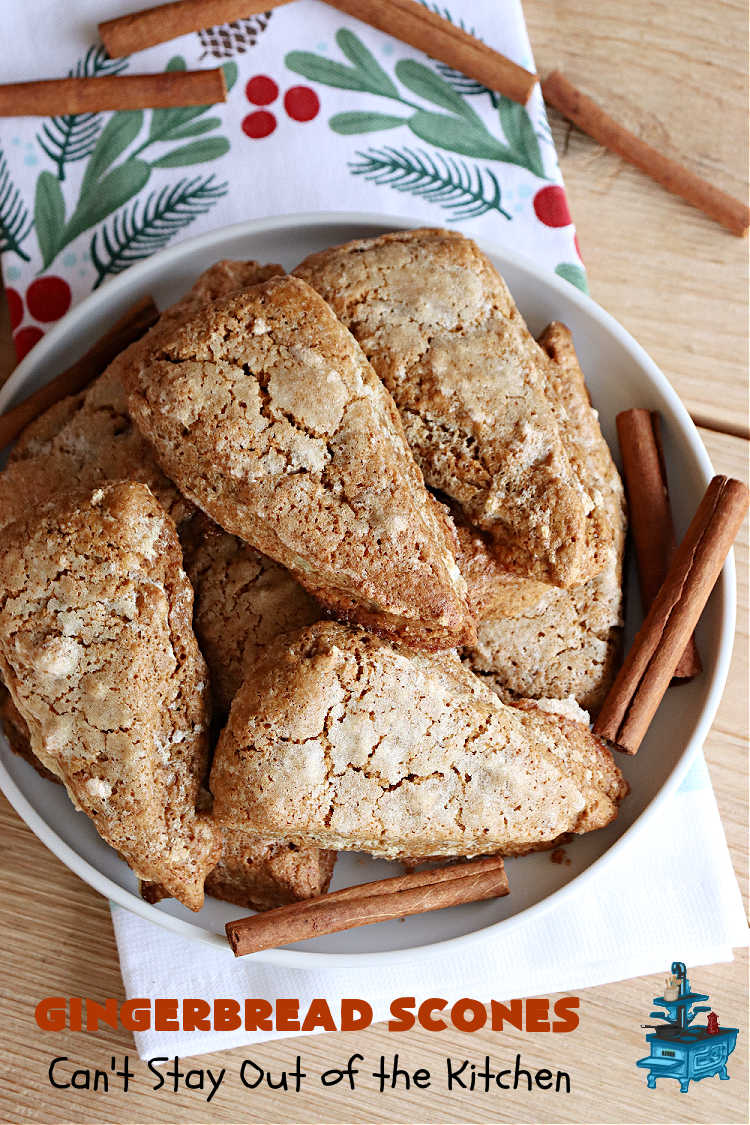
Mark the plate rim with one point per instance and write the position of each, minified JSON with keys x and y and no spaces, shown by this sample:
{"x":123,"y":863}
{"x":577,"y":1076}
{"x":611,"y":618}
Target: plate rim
{"x":140,"y":274}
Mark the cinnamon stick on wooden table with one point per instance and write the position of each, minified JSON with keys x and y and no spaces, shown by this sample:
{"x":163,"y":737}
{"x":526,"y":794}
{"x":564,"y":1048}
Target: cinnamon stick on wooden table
{"x":381,"y":901}
{"x":130,"y":327}
{"x":49,"y":97}
{"x":650,"y":513}
{"x":649,"y":666}
{"x":591,"y":119}
{"x":138,"y":30}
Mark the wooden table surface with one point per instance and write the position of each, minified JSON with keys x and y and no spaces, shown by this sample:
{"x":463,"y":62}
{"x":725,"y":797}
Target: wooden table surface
{"x":676,"y":73}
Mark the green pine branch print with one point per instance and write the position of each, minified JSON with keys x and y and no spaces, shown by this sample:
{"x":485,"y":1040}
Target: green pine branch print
{"x":15,"y":223}
{"x":462,"y":191}
{"x":71,"y":137}
{"x":108,"y":185}
{"x":454,"y":125}
{"x":138,"y":231}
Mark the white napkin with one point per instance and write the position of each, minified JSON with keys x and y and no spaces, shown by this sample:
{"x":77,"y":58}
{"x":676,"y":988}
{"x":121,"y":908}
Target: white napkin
{"x":673,"y":893}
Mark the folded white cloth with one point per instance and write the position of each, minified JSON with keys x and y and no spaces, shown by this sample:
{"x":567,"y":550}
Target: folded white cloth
{"x":325,"y":113}
{"x":671,"y":895}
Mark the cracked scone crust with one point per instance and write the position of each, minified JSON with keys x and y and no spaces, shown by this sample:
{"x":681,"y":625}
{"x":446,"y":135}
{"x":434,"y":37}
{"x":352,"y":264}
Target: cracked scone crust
{"x":243,"y":602}
{"x":262,"y":875}
{"x":443,"y":333}
{"x":98,"y":653}
{"x":342,"y":740}
{"x":88,"y":439}
{"x":535,"y":640}
{"x":266,"y":413}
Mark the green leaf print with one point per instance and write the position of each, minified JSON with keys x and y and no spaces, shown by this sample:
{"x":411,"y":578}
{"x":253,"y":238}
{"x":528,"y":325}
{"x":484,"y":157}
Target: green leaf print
{"x":119,"y":132}
{"x":430,"y":86}
{"x":116,"y":188}
{"x":196,"y":153}
{"x":49,"y":215}
{"x":573,"y":273}
{"x":330,"y":73}
{"x":364,"y":122}
{"x":457,"y":135}
{"x":521,"y":136}
{"x":366,"y":63}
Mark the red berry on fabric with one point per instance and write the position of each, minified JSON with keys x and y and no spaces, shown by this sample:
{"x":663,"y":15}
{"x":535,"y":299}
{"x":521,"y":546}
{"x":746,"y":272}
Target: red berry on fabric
{"x":301,"y":103}
{"x":261,"y":90}
{"x":259,"y":124}
{"x":551,"y":207}
{"x":48,"y":298}
{"x":25,"y":338}
{"x":15,"y":307}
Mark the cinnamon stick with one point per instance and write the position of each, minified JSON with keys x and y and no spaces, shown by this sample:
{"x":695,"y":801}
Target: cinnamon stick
{"x":138,"y":30}
{"x":424,"y":29}
{"x":644,"y":677}
{"x":650,"y":512}
{"x":363,"y":905}
{"x":591,"y":119}
{"x":167,"y":90}
{"x":131,"y":326}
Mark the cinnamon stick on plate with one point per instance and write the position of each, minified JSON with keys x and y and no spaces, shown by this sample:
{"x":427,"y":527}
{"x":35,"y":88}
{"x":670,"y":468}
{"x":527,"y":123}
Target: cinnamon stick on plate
{"x":49,"y":97}
{"x":649,"y":666}
{"x":130,"y":327}
{"x":381,"y":901}
{"x":591,"y":119}
{"x":650,"y":513}
{"x":137,"y":30}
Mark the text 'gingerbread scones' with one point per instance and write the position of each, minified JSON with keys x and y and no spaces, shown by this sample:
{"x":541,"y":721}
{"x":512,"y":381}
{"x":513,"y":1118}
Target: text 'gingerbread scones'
{"x":98,"y":653}
{"x":265,"y":412}
{"x":343,"y":740}
{"x":442,"y":331}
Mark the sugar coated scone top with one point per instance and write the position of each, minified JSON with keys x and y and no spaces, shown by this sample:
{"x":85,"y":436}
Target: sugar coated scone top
{"x":442,"y":331}
{"x":98,"y":653}
{"x":266,"y":413}
{"x":243,"y":601}
{"x":344,"y":740}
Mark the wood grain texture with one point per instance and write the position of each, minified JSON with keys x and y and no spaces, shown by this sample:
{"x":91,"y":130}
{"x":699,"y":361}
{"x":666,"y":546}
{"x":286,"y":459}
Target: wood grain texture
{"x":678,"y":283}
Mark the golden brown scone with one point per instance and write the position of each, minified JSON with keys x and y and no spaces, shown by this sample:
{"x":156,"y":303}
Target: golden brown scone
{"x":99,"y":656}
{"x":17,"y":734}
{"x":534,"y":640}
{"x":88,"y":439}
{"x":243,"y":601}
{"x":443,"y":333}
{"x":260,"y":875}
{"x":343,"y":740}
{"x":266,"y":413}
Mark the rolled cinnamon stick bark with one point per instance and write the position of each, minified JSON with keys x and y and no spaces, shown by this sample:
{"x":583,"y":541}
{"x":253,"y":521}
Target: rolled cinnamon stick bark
{"x":363,"y":905}
{"x":649,"y":666}
{"x":138,"y":30}
{"x":590,"y":118}
{"x":650,"y":513}
{"x":49,"y":97}
{"x":130,"y":327}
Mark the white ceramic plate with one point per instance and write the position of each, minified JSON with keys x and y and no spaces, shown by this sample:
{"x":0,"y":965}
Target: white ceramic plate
{"x":619,"y":375}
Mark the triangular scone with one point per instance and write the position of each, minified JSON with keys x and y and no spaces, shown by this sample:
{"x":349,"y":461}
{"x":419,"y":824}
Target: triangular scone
{"x":98,"y":653}
{"x":535,"y":640}
{"x":266,"y":413}
{"x":243,"y":601}
{"x":88,"y":438}
{"x":343,"y":740}
{"x":442,"y":331}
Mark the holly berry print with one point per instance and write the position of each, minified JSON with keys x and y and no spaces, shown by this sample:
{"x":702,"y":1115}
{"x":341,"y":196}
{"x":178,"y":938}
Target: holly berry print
{"x":300,"y":104}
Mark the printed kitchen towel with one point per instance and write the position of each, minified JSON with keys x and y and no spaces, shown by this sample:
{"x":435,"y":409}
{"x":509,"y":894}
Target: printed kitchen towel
{"x":325,"y":113}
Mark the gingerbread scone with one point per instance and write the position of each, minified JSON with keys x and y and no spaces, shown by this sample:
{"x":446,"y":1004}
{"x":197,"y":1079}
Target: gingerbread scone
{"x":99,"y":656}
{"x":243,"y":601}
{"x":266,"y":413}
{"x":343,"y":740}
{"x":443,"y":333}
{"x":88,"y":439}
{"x":535,"y":640}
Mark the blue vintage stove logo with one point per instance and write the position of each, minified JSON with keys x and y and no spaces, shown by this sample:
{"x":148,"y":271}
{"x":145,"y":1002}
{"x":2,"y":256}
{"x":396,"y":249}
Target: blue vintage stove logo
{"x":680,"y":1049}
